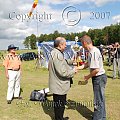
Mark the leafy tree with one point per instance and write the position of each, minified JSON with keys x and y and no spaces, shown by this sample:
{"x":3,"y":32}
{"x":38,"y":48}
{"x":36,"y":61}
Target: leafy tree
{"x":30,"y":42}
{"x":33,"y":41}
{"x":107,"y":35}
{"x":27,"y":42}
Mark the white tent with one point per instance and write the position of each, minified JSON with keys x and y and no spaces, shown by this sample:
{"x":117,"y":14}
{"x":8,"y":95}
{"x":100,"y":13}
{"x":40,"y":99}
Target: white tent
{"x":46,"y":47}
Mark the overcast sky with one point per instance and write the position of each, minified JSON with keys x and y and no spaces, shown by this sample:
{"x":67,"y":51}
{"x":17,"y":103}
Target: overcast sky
{"x":66,"y":16}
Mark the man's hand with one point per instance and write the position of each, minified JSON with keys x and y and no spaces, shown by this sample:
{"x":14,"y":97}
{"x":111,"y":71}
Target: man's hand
{"x":86,"y":77}
{"x":74,"y":64}
{"x":7,"y":76}
{"x":75,"y":69}
{"x":81,"y":67}
{"x":6,"y":73}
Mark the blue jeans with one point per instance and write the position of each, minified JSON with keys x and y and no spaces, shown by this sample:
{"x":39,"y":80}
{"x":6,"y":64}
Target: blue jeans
{"x":116,"y":62}
{"x":99,"y":83}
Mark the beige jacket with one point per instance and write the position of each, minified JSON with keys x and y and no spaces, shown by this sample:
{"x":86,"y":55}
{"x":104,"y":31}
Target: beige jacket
{"x":59,"y":73}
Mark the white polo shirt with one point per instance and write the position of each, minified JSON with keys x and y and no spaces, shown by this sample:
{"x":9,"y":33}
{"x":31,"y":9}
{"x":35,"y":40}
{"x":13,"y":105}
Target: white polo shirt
{"x":95,"y":60}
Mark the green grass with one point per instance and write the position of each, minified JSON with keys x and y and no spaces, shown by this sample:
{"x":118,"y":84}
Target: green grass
{"x":79,"y":94}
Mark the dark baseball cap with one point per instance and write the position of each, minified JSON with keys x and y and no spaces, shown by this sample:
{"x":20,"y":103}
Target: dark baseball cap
{"x":12,"y":46}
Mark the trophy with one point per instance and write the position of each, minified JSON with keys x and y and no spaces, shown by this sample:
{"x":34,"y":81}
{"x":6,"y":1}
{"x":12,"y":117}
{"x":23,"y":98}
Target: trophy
{"x":76,"y":48}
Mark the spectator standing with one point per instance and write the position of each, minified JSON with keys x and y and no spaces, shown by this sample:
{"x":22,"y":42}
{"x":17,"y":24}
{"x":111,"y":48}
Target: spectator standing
{"x":60,"y":74}
{"x":116,"y":60}
{"x":12,"y":66}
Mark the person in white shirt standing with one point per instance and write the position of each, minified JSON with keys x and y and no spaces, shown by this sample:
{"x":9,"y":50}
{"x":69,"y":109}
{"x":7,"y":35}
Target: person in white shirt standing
{"x":99,"y":79}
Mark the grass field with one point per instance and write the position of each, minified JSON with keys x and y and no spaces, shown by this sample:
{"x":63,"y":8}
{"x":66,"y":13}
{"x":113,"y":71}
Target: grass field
{"x":78,"y":95}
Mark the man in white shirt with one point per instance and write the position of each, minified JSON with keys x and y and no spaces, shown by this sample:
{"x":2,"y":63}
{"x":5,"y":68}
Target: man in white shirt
{"x":99,"y":79}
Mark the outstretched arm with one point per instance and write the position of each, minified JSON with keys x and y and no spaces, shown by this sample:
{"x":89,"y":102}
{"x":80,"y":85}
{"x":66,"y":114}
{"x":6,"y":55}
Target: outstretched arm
{"x":92,"y":73}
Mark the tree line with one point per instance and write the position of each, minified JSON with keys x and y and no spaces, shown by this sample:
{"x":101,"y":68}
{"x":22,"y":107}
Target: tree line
{"x":107,"y":35}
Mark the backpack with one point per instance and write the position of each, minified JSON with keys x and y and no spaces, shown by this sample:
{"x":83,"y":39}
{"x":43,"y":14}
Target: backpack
{"x":37,"y":95}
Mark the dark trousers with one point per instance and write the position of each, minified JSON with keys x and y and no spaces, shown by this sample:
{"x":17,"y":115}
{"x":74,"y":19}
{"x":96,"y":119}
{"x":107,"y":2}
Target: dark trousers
{"x":59,"y":106}
{"x":99,"y":83}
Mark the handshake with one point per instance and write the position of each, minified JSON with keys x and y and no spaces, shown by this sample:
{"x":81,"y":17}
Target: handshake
{"x":76,"y":68}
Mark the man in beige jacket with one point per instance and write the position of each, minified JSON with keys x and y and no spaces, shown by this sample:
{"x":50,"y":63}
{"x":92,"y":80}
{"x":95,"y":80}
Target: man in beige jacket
{"x":60,"y":74}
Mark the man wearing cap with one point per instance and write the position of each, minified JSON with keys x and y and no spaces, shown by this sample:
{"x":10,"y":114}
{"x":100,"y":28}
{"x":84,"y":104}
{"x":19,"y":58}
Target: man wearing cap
{"x":12,"y":66}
